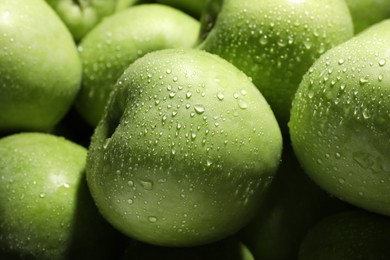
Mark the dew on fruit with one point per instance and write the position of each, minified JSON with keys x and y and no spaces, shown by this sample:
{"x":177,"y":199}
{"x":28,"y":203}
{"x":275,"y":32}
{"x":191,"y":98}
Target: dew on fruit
{"x":341,"y":180}
{"x":220,"y":96}
{"x":363,"y":80}
{"x":152,"y":219}
{"x":42,"y":195}
{"x":242,"y":104}
{"x":130,"y":183}
{"x":188,"y":95}
{"x":382,"y":62}
{"x":199,"y":109}
{"x":130,"y":201}
{"x":146,"y":184}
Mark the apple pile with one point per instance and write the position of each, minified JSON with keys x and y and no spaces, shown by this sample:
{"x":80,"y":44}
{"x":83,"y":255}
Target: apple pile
{"x":198,"y":129}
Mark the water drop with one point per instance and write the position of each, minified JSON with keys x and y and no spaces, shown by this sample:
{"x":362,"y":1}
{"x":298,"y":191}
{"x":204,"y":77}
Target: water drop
{"x":146,"y":184}
{"x":242,"y":104}
{"x":382,"y":62}
{"x":130,"y":201}
{"x":363,"y":80}
{"x":220,"y":96}
{"x":42,"y":195}
{"x":341,"y":61}
{"x":264,"y":40}
{"x":152,"y":219}
{"x":341,"y":180}
{"x":199,"y":109}
{"x":188,"y":95}
{"x":168,"y":71}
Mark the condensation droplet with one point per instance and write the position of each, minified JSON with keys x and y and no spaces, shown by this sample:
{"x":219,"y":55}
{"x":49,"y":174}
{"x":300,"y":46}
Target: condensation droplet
{"x":152,"y":219}
{"x":220,"y":96}
{"x":199,"y":109}
{"x":382,"y":62}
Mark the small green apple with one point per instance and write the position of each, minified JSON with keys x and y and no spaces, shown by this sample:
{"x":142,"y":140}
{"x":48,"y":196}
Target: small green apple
{"x":185,"y":150}
{"x":368,"y":12}
{"x":340,"y":120}
{"x":46,"y":211}
{"x":292,"y":205}
{"x":119,"y":40}
{"x":274,"y":41}
{"x":348,"y":235}
{"x":40,"y":69}
{"x":192,"y":7}
{"x":227,"y":249}
{"x":80,"y":16}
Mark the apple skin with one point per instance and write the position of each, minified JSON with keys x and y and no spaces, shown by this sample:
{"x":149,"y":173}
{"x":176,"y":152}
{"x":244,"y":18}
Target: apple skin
{"x":46,"y":209}
{"x":348,"y":235}
{"x":340,"y":118}
{"x":40,"y":69}
{"x":82,"y":15}
{"x":185,"y":151}
{"x":293,"y":204}
{"x":227,"y":249}
{"x":274,"y":41}
{"x":119,"y":40}
{"x":367,"y":13}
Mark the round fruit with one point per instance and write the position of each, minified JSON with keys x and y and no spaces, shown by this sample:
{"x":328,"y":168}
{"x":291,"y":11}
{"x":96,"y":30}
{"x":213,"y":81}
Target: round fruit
{"x":46,"y":211}
{"x":340,"y":120}
{"x":118,"y":41}
{"x":275,"y":41}
{"x":40,"y":70}
{"x":185,"y":150}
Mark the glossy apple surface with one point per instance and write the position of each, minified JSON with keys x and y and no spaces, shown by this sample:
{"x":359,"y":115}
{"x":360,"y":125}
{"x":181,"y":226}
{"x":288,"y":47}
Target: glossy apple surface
{"x":348,"y":235}
{"x":185,"y":150}
{"x":340,"y":120}
{"x":275,"y":41}
{"x":118,"y":41}
{"x":46,"y":208}
{"x":40,"y":70}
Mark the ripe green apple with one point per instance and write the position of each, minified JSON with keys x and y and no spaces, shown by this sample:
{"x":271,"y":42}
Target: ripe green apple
{"x":274,"y":41}
{"x":368,"y":12}
{"x":46,"y":211}
{"x":192,"y":7}
{"x":348,"y":235}
{"x":185,"y":150}
{"x":80,"y":16}
{"x":119,"y":40}
{"x":227,"y":249}
{"x":292,"y":205}
{"x":340,"y":120}
{"x":40,"y":69}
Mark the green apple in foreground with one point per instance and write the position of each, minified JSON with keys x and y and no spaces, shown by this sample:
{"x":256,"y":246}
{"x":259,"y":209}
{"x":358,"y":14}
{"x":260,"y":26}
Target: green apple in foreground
{"x":40,"y":70}
{"x":348,"y":235}
{"x":340,"y":120}
{"x":119,"y":40}
{"x":293,"y":204}
{"x":366,"y":13}
{"x":46,"y":208}
{"x":82,"y":15}
{"x":274,"y":41}
{"x":185,"y":150}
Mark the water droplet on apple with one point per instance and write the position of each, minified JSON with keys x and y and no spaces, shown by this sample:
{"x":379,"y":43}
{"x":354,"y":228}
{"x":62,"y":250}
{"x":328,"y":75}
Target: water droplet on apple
{"x":147,"y":184}
{"x":382,"y":62}
{"x":152,"y":219}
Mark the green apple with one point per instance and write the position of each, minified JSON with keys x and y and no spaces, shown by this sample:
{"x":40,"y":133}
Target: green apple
{"x":340,"y":120}
{"x":292,"y":205}
{"x":227,"y":249}
{"x":80,"y":16}
{"x":185,"y":150}
{"x":274,"y":41}
{"x":40,"y":69}
{"x":46,"y":211}
{"x":348,"y":235}
{"x":119,"y":40}
{"x":368,"y":12}
{"x":192,"y":7}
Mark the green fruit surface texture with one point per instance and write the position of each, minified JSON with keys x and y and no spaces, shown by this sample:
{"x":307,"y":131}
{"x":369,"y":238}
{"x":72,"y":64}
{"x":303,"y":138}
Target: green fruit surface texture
{"x":40,"y":70}
{"x":121,"y":39}
{"x":46,"y":211}
{"x":82,"y":15}
{"x":275,"y":41}
{"x":185,"y":150}
{"x":192,"y":7}
{"x":348,"y":235}
{"x":366,"y":13}
{"x":340,"y":120}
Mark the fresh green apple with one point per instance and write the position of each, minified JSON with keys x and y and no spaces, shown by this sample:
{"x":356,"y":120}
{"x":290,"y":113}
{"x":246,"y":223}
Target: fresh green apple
{"x":368,"y":12}
{"x":46,"y":211}
{"x":227,"y":249}
{"x":348,"y":235}
{"x":185,"y":150}
{"x":192,"y":7}
{"x":80,"y":16}
{"x":293,"y":204}
{"x":119,"y":40}
{"x":40,"y":69}
{"x":274,"y":41}
{"x":340,"y":120}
